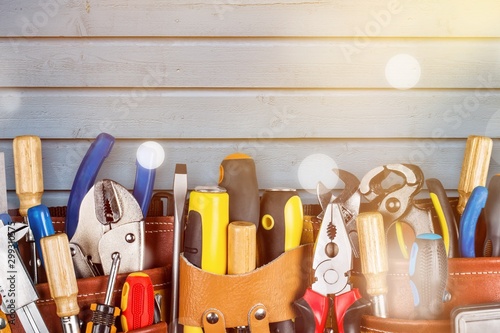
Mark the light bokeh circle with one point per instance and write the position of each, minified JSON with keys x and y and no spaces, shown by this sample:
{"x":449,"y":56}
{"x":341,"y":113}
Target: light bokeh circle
{"x":403,"y":71}
{"x":317,"y":168}
{"x":150,"y":155}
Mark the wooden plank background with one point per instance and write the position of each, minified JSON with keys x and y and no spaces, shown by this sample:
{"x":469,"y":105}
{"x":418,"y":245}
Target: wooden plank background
{"x":280,"y":81}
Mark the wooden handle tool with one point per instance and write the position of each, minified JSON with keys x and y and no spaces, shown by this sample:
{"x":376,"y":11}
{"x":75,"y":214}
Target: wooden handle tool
{"x":241,"y":244}
{"x":61,"y":279}
{"x":373,"y":254}
{"x":474,"y":167}
{"x":241,"y":252}
{"x":29,"y":185}
{"x":28,"y":171}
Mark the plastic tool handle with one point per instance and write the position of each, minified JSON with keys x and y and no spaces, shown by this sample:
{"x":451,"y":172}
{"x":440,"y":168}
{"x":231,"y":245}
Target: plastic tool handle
{"x":280,"y":230}
{"x":150,"y":155}
{"x":60,"y":274}
{"x":281,"y":224}
{"x":428,"y":272}
{"x":143,"y":186}
{"x":468,"y":221}
{"x":445,"y":214}
{"x":313,"y":308}
{"x":474,"y":167}
{"x":41,"y":226}
{"x":28,"y":171}
{"x":238,"y":176}
{"x":492,"y":218}
{"x":373,"y":255}
{"x":137,"y":302}
{"x":85,"y":178}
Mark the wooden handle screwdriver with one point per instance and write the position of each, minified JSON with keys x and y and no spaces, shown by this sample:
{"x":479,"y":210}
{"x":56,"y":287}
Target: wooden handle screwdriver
{"x":241,"y":252}
{"x":373,"y":254}
{"x":62,"y":280}
{"x":29,"y":184}
{"x":475,"y":167}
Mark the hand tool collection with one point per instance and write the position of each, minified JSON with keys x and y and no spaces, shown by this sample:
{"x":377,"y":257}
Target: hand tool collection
{"x":104,"y":235}
{"x":230,"y":228}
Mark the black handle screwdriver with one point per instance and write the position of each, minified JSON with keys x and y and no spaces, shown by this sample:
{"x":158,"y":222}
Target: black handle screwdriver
{"x":104,"y":315}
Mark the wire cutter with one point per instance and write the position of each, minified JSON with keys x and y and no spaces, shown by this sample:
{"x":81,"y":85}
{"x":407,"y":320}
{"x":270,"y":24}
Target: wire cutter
{"x":110,"y":221}
{"x":396,"y":203}
{"x":332,"y":264}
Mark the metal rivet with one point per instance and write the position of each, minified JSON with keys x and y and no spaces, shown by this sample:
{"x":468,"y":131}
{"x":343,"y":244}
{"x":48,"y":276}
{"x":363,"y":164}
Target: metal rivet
{"x":260,"y":314}
{"x":130,"y":238}
{"x":212,"y":318}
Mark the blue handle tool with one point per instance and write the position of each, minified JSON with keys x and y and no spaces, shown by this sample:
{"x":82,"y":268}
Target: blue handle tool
{"x":85,"y":178}
{"x":143,"y":187}
{"x":468,"y":221}
{"x":40,"y":224}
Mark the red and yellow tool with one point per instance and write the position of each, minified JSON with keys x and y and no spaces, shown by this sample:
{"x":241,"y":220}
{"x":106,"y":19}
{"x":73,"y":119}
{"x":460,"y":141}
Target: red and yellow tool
{"x":137,"y":302}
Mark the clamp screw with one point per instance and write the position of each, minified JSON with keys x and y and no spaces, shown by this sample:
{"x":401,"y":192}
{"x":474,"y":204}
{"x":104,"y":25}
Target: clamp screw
{"x":212,"y":318}
{"x":260,"y":314}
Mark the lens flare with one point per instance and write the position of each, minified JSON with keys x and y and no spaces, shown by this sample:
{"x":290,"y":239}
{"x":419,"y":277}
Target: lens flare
{"x":317,"y":168}
{"x":402,"y":71}
{"x":150,"y":155}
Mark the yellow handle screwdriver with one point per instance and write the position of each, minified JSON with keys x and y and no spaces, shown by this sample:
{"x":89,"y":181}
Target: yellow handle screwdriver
{"x":29,"y":184}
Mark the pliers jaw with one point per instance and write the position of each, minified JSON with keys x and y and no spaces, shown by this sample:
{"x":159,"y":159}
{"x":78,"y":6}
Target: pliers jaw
{"x":348,"y":200}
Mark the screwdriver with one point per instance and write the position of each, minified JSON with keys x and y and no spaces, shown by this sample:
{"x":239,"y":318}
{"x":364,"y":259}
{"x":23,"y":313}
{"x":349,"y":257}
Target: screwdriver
{"x":428,"y":272}
{"x":104,"y":315}
{"x":59,"y":268}
{"x":29,"y":184}
{"x":373,"y":254}
{"x":475,"y":167}
{"x":137,"y":302}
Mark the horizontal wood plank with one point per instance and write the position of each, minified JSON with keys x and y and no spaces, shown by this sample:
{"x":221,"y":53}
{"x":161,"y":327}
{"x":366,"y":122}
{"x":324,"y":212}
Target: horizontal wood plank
{"x":243,"y":63}
{"x":254,"y":114}
{"x":377,"y":18}
{"x":280,"y":163}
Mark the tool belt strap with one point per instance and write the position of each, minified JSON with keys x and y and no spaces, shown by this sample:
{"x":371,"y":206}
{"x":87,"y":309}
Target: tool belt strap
{"x":273,"y":287}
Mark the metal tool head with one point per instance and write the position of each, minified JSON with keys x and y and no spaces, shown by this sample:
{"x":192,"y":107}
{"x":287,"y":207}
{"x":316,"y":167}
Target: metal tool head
{"x":394,"y":202}
{"x":349,"y":201}
{"x":332,"y":254}
{"x":110,"y":220}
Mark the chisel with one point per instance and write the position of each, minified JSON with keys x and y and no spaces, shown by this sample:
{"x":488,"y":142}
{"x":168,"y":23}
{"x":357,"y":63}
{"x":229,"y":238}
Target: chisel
{"x":475,"y":167}
{"x":180,"y":192}
{"x":29,"y":184}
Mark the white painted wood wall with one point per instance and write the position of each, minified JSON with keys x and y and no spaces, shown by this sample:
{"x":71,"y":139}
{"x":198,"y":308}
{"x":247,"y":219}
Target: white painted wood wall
{"x":277,"y":80}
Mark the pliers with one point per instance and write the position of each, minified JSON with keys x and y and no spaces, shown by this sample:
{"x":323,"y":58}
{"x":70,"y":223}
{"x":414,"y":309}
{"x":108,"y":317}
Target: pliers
{"x":110,"y":221}
{"x":396,"y":203}
{"x":349,"y":201}
{"x":332,"y":264}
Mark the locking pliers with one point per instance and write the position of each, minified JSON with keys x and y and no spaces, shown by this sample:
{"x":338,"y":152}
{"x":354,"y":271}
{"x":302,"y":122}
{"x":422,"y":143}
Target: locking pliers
{"x":110,"y":221}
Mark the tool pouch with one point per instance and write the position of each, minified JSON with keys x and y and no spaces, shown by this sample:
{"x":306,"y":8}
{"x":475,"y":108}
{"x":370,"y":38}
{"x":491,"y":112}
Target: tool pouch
{"x":255,"y":299}
{"x":157,"y":264}
{"x":470,"y":281}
